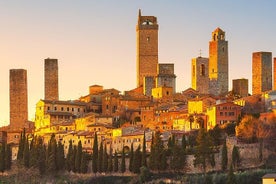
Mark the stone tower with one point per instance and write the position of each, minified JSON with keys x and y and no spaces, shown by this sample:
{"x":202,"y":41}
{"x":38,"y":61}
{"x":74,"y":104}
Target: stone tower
{"x":51,"y":79}
{"x":218,"y":63}
{"x":261,"y":72}
{"x":147,"y":47}
{"x":166,"y":76}
{"x":200,"y":75}
{"x":240,"y":87}
{"x":18,"y":99}
{"x":274,"y":72}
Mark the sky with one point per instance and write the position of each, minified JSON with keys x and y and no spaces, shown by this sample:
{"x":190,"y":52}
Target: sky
{"x":95,"y":41}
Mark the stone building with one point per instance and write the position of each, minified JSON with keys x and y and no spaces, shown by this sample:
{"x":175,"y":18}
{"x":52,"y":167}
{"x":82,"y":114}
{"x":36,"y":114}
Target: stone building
{"x":149,"y":84}
{"x":261,"y":72}
{"x":200,"y":75}
{"x":51,"y":79}
{"x":166,"y":76}
{"x":240,"y":87}
{"x":18,"y":99}
{"x":218,"y":63}
{"x":274,"y":72}
{"x":147,"y":47}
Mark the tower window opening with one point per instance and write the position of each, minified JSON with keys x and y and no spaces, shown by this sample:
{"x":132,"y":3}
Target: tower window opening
{"x":202,"y":70}
{"x":148,"y":39}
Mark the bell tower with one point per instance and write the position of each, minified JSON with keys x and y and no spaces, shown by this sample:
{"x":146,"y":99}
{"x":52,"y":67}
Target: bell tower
{"x":218,"y":63}
{"x":147,"y":47}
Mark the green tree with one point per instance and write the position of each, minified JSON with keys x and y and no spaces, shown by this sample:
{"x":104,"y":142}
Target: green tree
{"x":2,"y":158}
{"x":78,"y":157}
{"x":26,"y":154}
{"x":21,"y":145}
{"x":116,"y":162}
{"x":137,"y":160}
{"x":42,"y":157}
{"x":95,"y":154}
{"x":69,"y":155}
{"x":178,"y":158}
{"x":184,"y":142}
{"x":157,"y":149}
{"x":8,"y":157}
{"x":203,"y":149}
{"x":60,"y":156}
{"x":110,"y":160}
{"x":215,"y":134}
{"x":105,"y":159}
{"x":100,"y":158}
{"x":224,"y":157}
{"x":33,"y":153}
{"x":73,"y":158}
{"x":131,"y":155}
{"x":84,"y":163}
{"x":52,"y":165}
{"x":144,"y":152}
{"x":235,"y":157}
{"x":123,"y":162}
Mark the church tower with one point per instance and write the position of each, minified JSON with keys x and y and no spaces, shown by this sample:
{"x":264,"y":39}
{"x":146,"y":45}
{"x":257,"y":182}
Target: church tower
{"x":218,"y":63}
{"x":147,"y":47}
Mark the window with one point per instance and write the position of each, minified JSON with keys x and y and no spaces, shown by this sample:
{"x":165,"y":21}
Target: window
{"x":72,"y":109}
{"x":202,"y":70}
{"x":48,"y":108}
{"x":148,"y":39}
{"x":68,"y":109}
{"x":62,"y":108}
{"x":55,"y":108}
{"x":221,"y":113}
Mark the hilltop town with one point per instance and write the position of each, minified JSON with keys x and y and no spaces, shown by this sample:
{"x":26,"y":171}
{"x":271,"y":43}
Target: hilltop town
{"x":123,"y":122}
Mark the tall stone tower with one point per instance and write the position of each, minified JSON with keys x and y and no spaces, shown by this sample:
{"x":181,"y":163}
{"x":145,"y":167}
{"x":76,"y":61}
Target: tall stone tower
{"x":51,"y":79}
{"x":218,"y":63}
{"x":261,"y":72}
{"x":274,"y":72}
{"x":166,"y":76}
{"x":147,"y":47}
{"x":18,"y":99}
{"x":240,"y":87}
{"x":200,"y":74}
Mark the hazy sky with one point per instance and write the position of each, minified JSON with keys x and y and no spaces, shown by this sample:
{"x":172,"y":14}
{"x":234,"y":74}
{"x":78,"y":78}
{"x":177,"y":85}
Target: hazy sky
{"x":95,"y":41}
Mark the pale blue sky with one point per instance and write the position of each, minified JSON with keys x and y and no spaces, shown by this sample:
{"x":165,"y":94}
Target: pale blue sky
{"x":95,"y":41}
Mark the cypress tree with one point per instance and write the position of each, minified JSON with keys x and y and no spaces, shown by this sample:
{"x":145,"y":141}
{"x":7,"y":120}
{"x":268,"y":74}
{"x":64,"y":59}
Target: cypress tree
{"x":73,"y":158}
{"x":60,"y":156}
{"x":123,"y":163}
{"x":84,"y":162}
{"x":33,"y":153}
{"x":235,"y":157}
{"x":144,"y":152}
{"x":52,"y":160}
{"x":26,"y":154}
{"x":137,"y":160}
{"x":131,"y":155}
{"x":69,"y":155}
{"x":163,"y":163}
{"x":184,"y":143}
{"x":42,"y":158}
{"x":152,"y":154}
{"x":95,"y":154}
{"x":116,"y":162}
{"x":224,"y":158}
{"x":177,"y":161}
{"x":2,"y":158}
{"x":21,"y":147}
{"x":8,"y":157}
{"x":105,"y":159}
{"x":78,"y":157}
{"x":110,"y":160}
{"x":100,"y":158}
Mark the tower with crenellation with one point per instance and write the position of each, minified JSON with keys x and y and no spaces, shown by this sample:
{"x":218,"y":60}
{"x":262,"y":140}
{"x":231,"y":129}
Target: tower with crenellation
{"x":218,"y":63}
{"x":51,"y":79}
{"x":18,"y":99}
{"x":147,"y":47}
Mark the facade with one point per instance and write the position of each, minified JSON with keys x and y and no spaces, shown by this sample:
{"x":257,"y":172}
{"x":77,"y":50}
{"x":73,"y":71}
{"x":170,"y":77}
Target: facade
{"x":261,"y":72}
{"x":200,"y":75}
{"x":166,"y":76}
{"x":49,"y":114}
{"x":218,"y":63}
{"x":18,"y":99}
{"x":51,"y":79}
{"x":162,"y":92}
{"x":240,"y":87}
{"x":269,"y":178}
{"x":147,"y":47}
{"x":223,"y":113}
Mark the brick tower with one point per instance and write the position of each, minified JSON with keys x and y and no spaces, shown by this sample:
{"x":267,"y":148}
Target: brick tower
{"x":218,"y":63}
{"x":200,"y":75}
{"x":18,"y":99}
{"x":51,"y":79}
{"x":274,"y":72}
{"x":261,"y":72}
{"x":147,"y":47}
